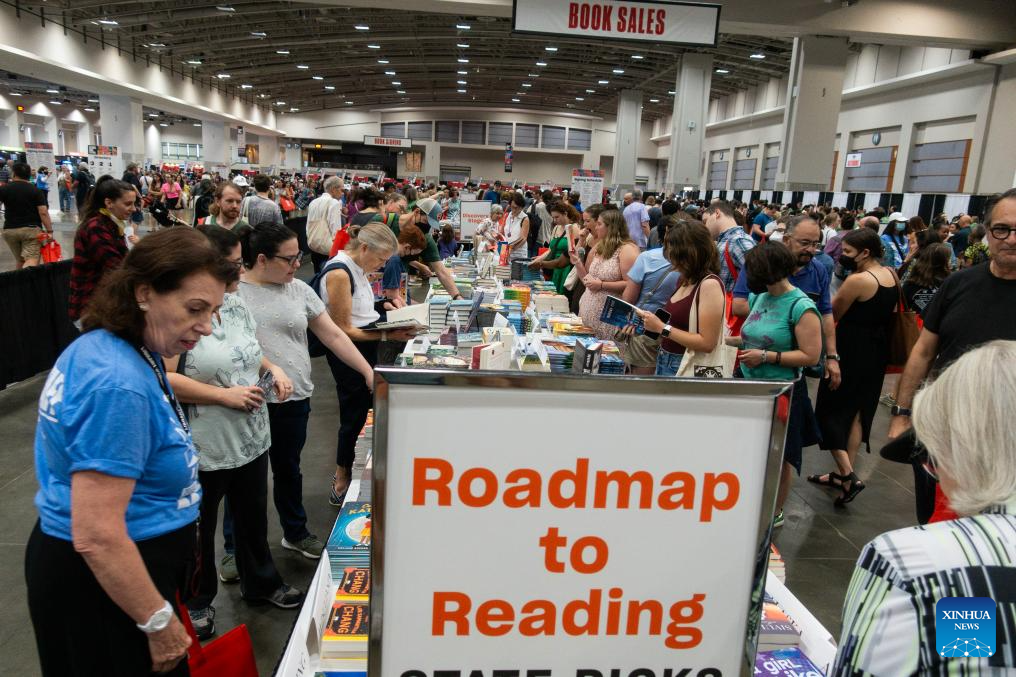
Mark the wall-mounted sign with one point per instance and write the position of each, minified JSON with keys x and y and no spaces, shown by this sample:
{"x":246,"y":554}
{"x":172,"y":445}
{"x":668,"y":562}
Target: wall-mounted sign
{"x":508,"y":157}
{"x":853,"y":160}
{"x":677,"y":23}
{"x":388,"y":141}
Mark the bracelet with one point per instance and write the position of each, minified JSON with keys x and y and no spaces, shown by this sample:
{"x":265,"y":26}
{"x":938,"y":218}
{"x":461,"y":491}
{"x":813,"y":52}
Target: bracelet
{"x":779,"y":357}
{"x":765,"y":356}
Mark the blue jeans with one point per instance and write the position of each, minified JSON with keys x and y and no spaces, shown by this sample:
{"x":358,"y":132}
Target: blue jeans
{"x":288,"y":423}
{"x":65,"y":200}
{"x":668,"y":363}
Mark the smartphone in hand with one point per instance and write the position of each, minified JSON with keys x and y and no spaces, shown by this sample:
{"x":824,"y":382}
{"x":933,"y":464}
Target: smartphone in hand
{"x":663,"y":315}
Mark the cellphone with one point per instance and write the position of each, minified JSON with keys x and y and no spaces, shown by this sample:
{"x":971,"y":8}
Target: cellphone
{"x":266,"y":382}
{"x":663,"y":315}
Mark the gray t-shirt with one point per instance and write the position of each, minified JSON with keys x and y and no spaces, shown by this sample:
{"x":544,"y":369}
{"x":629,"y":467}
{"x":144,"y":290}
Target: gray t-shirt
{"x":282,"y":312}
{"x":230,"y":356}
{"x":257,"y":210}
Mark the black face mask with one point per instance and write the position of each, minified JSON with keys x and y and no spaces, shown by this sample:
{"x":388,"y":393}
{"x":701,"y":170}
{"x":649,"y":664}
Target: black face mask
{"x":756,"y":286}
{"x":849,"y":263}
{"x":423,"y":226}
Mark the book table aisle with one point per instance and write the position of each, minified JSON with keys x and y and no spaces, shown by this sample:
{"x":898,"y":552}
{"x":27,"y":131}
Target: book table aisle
{"x":484,"y":538}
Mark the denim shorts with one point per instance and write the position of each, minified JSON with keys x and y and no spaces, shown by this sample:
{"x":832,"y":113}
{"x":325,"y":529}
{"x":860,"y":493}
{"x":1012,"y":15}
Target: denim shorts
{"x":667,"y":363}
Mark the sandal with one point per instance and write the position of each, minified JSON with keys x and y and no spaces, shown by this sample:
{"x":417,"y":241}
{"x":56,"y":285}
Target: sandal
{"x":828,"y":482}
{"x":850,"y":491}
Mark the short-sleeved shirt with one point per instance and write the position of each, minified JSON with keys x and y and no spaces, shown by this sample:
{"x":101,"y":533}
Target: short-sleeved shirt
{"x":813,"y":280}
{"x":102,"y":410}
{"x":261,"y":210}
{"x":230,"y":356}
{"x":770,"y":326}
{"x":653,"y":271}
{"x":971,"y":307}
{"x":282,"y":313}
{"x":736,"y":243}
{"x":21,"y":202}
{"x":635,"y":215}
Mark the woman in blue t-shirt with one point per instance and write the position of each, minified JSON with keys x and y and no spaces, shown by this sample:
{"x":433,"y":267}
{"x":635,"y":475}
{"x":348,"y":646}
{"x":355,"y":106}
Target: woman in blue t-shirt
{"x":118,"y":486}
{"x":782,"y":334}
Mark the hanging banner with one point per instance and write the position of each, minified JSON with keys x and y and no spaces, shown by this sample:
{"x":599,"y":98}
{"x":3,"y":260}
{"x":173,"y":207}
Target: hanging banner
{"x":508,"y":157}
{"x":676,"y":23}
{"x":589,"y":184}
{"x":582,"y":562}
{"x":471,"y":214}
{"x":39,"y":155}
{"x":389,"y":141}
{"x":241,"y":143}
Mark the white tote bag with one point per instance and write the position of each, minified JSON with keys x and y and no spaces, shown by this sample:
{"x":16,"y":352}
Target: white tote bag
{"x":717,"y":363}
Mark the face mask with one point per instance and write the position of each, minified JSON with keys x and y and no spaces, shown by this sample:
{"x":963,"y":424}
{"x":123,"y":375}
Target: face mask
{"x":848,"y":262}
{"x":900,"y":227}
{"x":757,"y":286}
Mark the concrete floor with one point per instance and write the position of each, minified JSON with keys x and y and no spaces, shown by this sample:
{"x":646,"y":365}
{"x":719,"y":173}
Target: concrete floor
{"x":819,"y":542}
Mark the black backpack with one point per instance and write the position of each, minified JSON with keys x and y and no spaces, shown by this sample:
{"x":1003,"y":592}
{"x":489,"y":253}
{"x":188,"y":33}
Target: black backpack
{"x":314,"y":345}
{"x":535,"y":223}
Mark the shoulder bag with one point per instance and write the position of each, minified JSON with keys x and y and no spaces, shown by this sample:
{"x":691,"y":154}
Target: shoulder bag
{"x":903,"y":331}
{"x":718,"y":362}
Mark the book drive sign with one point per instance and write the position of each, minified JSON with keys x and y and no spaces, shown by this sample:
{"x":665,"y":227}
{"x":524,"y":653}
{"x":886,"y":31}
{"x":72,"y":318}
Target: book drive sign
{"x":568,"y":526}
{"x":678,"y":23}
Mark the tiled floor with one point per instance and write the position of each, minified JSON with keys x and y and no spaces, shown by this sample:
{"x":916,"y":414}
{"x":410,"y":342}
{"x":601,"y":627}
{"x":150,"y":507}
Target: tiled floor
{"x":820,"y":543}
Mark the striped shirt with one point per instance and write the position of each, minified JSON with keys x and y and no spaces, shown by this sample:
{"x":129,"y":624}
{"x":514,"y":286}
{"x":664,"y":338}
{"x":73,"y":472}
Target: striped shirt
{"x":889,"y":612}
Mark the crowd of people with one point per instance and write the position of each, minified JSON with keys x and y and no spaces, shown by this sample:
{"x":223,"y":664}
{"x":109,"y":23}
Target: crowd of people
{"x":192,"y":376}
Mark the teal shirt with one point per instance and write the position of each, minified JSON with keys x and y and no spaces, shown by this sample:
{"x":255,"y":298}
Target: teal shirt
{"x":770,"y":326}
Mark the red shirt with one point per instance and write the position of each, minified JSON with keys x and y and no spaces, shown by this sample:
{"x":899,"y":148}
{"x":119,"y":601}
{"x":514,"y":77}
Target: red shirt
{"x":98,"y":248}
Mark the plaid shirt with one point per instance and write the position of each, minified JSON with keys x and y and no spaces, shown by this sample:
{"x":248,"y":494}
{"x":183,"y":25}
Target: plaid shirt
{"x":99,"y":247}
{"x":736,"y":242}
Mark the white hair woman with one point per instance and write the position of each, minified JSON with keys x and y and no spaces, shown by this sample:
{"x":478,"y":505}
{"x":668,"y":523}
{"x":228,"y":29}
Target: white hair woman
{"x":965,"y":422}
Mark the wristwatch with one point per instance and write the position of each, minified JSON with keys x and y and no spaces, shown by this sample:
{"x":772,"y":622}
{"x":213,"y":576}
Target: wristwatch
{"x":159,"y":620}
{"x":897,"y":410}
{"x":833,"y":356}
{"x":666,"y":330}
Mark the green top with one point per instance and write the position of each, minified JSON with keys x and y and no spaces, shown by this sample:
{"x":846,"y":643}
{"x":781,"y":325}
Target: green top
{"x":558,"y":248}
{"x":770,"y":326}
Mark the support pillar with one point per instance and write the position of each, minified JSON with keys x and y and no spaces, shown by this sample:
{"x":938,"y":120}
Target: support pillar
{"x":215,"y":147}
{"x":814,"y":93}
{"x":626,"y":139}
{"x":121,"y":118}
{"x":688,"y":123}
{"x":10,"y":128}
{"x":432,"y":161}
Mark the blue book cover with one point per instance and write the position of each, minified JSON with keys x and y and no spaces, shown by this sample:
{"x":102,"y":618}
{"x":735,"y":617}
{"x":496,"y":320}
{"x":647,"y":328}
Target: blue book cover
{"x":788,"y":662}
{"x":352,"y":529}
{"x":619,"y":313}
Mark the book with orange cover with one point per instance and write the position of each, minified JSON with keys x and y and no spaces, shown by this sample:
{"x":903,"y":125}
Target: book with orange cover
{"x":346,"y":632}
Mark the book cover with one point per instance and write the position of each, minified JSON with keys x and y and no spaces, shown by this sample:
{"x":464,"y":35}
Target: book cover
{"x":618,"y":313}
{"x":355,"y":583}
{"x":352,"y":529}
{"x":347,"y":628}
{"x":788,"y":662}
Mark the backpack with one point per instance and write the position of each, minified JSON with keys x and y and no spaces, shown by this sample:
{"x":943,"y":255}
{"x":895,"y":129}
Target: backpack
{"x":314,"y":345}
{"x":535,"y":223}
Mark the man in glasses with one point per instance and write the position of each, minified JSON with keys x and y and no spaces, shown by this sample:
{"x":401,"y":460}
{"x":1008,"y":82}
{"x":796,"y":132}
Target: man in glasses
{"x":973,"y":306}
{"x":803,"y":237}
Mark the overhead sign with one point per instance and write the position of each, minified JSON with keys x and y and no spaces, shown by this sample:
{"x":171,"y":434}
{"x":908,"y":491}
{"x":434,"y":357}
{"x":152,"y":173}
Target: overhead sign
{"x":853,"y":160}
{"x":241,"y":143}
{"x":589,"y":184}
{"x":508,"y":157}
{"x":389,"y":141}
{"x":471,"y":214}
{"x":554,"y":555}
{"x":678,"y":23}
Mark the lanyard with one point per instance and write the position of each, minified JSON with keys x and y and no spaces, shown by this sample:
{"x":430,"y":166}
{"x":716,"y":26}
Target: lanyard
{"x":165,"y":389}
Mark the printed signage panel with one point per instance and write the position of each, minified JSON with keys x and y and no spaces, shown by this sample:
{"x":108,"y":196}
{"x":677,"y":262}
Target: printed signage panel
{"x":589,"y":184}
{"x":587,"y":550}
{"x":471,"y":214}
{"x":853,"y":160}
{"x":389,"y":141}
{"x":678,"y":23}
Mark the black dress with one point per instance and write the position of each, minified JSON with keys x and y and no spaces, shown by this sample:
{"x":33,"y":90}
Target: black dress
{"x":862,"y":340}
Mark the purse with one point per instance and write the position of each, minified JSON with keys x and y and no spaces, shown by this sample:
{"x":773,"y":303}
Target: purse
{"x":903,"y":332}
{"x":230,"y":655}
{"x":50,"y":249}
{"x":287,"y":205}
{"x":718,"y":362}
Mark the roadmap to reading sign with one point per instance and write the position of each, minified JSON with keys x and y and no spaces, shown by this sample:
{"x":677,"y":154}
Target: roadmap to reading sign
{"x":561,"y":526}
{"x":681,"y":23}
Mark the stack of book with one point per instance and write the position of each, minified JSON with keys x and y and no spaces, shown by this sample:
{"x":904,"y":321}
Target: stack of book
{"x":503,"y":272}
{"x":777,"y":630}
{"x":521,"y":271}
{"x":345,"y":635}
{"x":349,"y":543}
{"x":520,"y":293}
{"x":777,"y":566}
{"x":550,"y":303}
{"x":789,"y":662}
{"x":560,"y":354}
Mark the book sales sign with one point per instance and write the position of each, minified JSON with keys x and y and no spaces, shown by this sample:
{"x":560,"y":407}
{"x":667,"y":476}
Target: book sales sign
{"x":680,"y":23}
{"x":553,"y":526}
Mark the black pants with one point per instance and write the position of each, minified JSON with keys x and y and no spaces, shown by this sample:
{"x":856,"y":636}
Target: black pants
{"x":355,"y":400}
{"x":246,"y":489}
{"x":319,"y":261}
{"x":79,"y":630}
{"x":288,"y":423}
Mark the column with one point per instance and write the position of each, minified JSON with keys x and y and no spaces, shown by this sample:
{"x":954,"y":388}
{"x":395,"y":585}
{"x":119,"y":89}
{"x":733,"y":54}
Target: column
{"x":153,"y":144}
{"x":121,"y":118}
{"x":626,"y":138}
{"x":813,"y":107}
{"x":432,"y":161}
{"x":215,"y":147}
{"x":688,"y":123}
{"x":10,"y":128}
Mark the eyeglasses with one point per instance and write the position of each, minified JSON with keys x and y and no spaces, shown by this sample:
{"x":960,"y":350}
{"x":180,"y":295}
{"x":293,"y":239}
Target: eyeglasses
{"x":1001,"y":231}
{"x":236,"y":262}
{"x":807,"y":244}
{"x":293,"y":261}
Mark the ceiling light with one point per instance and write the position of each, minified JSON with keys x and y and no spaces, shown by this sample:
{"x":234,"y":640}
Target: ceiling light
{"x":400,"y":91}
{"x":89,"y":101}
{"x":223,"y":76}
{"x":349,"y":103}
{"x":282,"y":51}
{"x":463,"y":60}
{"x":520,"y":93}
{"x":280,"y":103}
{"x":757,"y":55}
{"x":330,"y":88}
{"x":461,"y":82}
{"x":541,"y":63}
{"x":619,"y":71}
{"x":109,"y":22}
{"x":603,"y":82}
{"x":373,"y":46}
{"x":225,"y":8}
{"x":153,"y":115}
{"x":19,"y":94}
{"x":246,"y":86}
{"x":163,"y":124}
{"x":194,"y":62}
{"x":516,"y":100}
{"x":55,"y":103}
{"x":156,"y":44}
{"x":671,"y":92}
{"x":389,"y":72}
{"x":722,"y":71}
{"x":303,"y":67}
{"x":462,"y":45}
{"x":293,"y":110}
{"x":463,"y":27}
{"x":362,"y":27}
{"x":534,"y":75}
{"x":52,"y":91}
{"x":590,"y":91}
{"x":527,"y":84}
{"x":396,"y":83}
{"x":550,"y":49}
{"x":462,"y":72}
{"x":579,"y":98}
{"x":263,"y":96}
{"x":196,"y":124}
{"x":461,"y":91}
{"x":637,"y":57}
{"x":258,"y":34}
{"x":654,"y":100}
{"x":383,"y":61}
{"x":89,"y":110}
{"x":316,"y":77}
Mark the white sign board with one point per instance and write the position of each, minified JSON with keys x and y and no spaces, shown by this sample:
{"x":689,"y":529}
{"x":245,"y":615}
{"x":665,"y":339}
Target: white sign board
{"x":853,"y":160}
{"x":558,"y":553}
{"x":679,"y":23}
{"x":39,"y":155}
{"x":389,"y":141}
{"x":105,"y":160}
{"x":589,"y":188}
{"x":471,"y":214}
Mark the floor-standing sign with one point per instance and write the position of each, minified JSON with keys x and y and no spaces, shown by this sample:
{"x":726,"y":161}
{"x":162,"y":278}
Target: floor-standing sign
{"x":471,"y":214}
{"x":622,"y":531}
{"x":39,"y":154}
{"x":105,"y":160}
{"x":589,"y":184}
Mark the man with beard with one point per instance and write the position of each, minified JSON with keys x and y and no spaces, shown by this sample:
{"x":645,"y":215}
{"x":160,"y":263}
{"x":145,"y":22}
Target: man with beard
{"x":225,"y":210}
{"x":803,"y":237}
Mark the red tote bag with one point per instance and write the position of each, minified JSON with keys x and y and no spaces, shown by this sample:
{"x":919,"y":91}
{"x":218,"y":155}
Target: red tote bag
{"x":231,"y":655}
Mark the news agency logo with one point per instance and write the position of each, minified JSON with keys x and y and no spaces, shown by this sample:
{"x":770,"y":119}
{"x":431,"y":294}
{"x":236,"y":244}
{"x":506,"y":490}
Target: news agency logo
{"x":965,"y":627}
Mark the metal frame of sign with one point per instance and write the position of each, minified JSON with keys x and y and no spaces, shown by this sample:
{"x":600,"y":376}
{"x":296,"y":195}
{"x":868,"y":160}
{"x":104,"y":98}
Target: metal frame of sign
{"x":716,"y":30}
{"x":387,"y":376}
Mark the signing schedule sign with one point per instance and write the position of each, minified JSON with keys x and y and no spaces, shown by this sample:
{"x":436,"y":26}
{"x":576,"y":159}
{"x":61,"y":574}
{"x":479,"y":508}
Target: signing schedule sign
{"x":681,"y":23}
{"x":561,"y":526}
